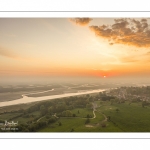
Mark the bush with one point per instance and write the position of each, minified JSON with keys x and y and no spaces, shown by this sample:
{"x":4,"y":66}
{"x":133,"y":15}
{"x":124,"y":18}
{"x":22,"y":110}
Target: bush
{"x":74,"y":115}
{"x":72,"y":130}
{"x":51,"y":120}
{"x":87,"y":121}
{"x":103,"y":125}
{"x":60,"y":124}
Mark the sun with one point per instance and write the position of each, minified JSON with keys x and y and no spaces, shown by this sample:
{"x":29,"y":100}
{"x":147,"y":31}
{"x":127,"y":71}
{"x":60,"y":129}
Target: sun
{"x":104,"y":76}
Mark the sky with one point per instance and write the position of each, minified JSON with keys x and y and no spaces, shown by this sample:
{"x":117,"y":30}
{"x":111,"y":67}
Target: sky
{"x":74,"y":47}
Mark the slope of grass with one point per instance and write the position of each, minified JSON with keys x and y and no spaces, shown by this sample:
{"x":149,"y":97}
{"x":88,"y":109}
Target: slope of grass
{"x":83,"y":112}
{"x":130,"y":118}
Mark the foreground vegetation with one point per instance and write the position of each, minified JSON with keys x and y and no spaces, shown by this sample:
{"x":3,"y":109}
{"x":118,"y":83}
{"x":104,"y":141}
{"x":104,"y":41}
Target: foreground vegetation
{"x":101,"y":112}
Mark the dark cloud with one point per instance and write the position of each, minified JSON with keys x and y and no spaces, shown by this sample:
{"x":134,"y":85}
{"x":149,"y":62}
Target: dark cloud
{"x":81,"y":21}
{"x":125,"y":31}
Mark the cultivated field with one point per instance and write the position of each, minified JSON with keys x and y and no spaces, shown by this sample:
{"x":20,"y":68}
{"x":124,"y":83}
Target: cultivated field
{"x":86,"y":113}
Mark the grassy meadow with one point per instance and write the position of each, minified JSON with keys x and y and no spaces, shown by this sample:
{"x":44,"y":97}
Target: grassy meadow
{"x":74,"y":114}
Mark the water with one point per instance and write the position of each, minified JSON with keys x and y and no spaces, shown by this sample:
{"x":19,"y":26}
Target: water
{"x":27,"y":99}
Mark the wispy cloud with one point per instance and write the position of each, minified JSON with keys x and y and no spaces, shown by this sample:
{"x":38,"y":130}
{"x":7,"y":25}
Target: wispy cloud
{"x":125,"y":31}
{"x":129,"y":59}
{"x":11,"y":54}
{"x":7,"y":53}
{"x":81,"y":21}
{"x":148,"y":53}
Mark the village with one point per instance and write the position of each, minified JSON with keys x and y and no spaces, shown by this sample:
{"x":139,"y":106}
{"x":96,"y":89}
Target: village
{"x":133,"y":94}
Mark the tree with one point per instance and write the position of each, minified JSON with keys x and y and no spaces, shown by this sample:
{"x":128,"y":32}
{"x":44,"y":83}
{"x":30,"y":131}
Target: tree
{"x":108,"y":118}
{"x":43,"y":110}
{"x":87,"y":95}
{"x":42,"y":124}
{"x":91,"y":98}
{"x":117,"y":110}
{"x":88,"y":116}
{"x":50,"y":110}
{"x":74,"y":115}
{"x":67,"y":113}
{"x":52,"y":120}
{"x":63,"y":113}
{"x":89,"y":106}
{"x":72,"y":130}
{"x":103,"y":125}
{"x":60,"y":107}
{"x":60,"y":124}
{"x":87,"y":121}
{"x":144,"y":103}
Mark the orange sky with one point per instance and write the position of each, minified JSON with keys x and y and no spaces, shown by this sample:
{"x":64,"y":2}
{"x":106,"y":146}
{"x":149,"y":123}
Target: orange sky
{"x":74,"y":47}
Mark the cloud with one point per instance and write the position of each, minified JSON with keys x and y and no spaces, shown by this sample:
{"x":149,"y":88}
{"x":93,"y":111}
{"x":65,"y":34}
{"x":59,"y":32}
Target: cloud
{"x":129,"y":60}
{"x":7,"y":53}
{"x":125,"y":31}
{"x":81,"y":21}
{"x":148,"y":53}
{"x":11,"y":54}
{"x":111,"y":43}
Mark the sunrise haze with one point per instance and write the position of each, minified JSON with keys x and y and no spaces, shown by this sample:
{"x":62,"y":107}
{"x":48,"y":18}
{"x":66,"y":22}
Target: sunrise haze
{"x":74,"y":47}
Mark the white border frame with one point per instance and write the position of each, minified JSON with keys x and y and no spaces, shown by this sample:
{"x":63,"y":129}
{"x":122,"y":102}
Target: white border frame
{"x":66,"y":14}
{"x":75,"y":135}
{"x":71,"y":14}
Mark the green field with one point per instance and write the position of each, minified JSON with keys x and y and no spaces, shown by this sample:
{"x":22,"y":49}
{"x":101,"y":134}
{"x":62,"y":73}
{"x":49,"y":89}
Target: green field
{"x":82,"y":112}
{"x":129,"y":118}
{"x":9,"y":116}
{"x":109,"y":117}
{"x":29,"y":118}
{"x":78,"y":125}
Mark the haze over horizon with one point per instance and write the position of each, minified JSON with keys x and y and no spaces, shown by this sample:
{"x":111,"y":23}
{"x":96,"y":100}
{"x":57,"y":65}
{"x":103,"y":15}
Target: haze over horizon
{"x":74,"y":49}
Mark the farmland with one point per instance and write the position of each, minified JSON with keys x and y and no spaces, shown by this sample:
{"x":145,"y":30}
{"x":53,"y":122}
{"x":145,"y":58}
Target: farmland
{"x":98,"y":112}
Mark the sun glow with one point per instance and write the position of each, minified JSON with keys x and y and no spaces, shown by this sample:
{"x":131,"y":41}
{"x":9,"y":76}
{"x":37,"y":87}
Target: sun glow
{"x":79,"y":52}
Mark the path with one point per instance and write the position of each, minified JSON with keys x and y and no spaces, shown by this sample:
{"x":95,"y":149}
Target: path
{"x":40,"y":119}
{"x":55,"y":116}
{"x":104,"y":117}
{"x":94,"y":115}
{"x":94,"y":109}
